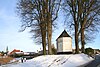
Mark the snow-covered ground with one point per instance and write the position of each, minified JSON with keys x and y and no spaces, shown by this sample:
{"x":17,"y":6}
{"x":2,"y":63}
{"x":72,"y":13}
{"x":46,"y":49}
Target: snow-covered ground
{"x":72,"y":60}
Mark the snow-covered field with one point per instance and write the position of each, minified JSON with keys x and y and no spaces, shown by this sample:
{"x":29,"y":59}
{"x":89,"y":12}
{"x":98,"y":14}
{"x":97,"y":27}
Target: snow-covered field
{"x":72,"y":60}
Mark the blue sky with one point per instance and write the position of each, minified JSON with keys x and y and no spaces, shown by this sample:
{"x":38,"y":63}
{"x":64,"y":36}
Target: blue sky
{"x":10,"y":25}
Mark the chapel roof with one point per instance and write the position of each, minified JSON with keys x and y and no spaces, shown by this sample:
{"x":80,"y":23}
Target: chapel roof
{"x":64,"y":34}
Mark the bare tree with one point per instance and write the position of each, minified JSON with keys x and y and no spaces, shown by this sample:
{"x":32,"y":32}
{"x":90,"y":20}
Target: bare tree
{"x":32,"y":14}
{"x":89,"y":18}
{"x":52,"y":8}
{"x":40,"y":16}
{"x":85,"y":14}
{"x":70,"y":6}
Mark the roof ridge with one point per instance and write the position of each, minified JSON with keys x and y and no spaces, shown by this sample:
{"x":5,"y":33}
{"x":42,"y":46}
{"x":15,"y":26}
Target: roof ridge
{"x":64,"y":34}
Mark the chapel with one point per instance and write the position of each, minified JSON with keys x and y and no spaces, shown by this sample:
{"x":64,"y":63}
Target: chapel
{"x":64,"y":43}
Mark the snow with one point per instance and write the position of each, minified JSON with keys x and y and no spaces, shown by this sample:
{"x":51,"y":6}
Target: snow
{"x":72,"y":60}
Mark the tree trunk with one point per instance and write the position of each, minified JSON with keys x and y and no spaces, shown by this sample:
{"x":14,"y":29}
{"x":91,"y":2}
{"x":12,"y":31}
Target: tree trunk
{"x":44,"y":46}
{"x":43,"y":33}
{"x":49,"y":33}
{"x":76,"y":39}
{"x":49,"y":27}
{"x":49,"y":36}
{"x":43,"y":28}
{"x":82,"y":40}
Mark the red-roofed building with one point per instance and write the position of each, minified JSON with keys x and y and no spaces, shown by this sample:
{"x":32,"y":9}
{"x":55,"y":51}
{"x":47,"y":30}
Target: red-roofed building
{"x":15,"y":51}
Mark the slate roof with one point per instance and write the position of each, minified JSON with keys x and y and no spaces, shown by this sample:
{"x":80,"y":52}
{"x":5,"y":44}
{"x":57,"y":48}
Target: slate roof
{"x":64,"y":34}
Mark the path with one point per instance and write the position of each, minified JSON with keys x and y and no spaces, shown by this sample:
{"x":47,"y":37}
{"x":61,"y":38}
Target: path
{"x":94,"y":63}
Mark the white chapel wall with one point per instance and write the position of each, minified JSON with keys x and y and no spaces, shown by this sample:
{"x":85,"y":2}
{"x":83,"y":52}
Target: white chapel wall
{"x":60,"y":45}
{"x":67,"y":44}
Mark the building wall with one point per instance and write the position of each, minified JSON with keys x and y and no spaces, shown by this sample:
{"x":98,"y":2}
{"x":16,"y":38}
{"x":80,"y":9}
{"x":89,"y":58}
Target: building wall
{"x":60,"y":45}
{"x":64,"y":44}
{"x":67,"y":44}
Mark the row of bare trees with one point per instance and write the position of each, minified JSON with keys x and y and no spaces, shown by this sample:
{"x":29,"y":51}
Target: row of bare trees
{"x":86,"y":21}
{"x":40,"y":16}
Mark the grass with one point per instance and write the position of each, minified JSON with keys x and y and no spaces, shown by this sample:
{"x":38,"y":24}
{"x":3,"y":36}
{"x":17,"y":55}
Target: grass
{"x":5,"y":60}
